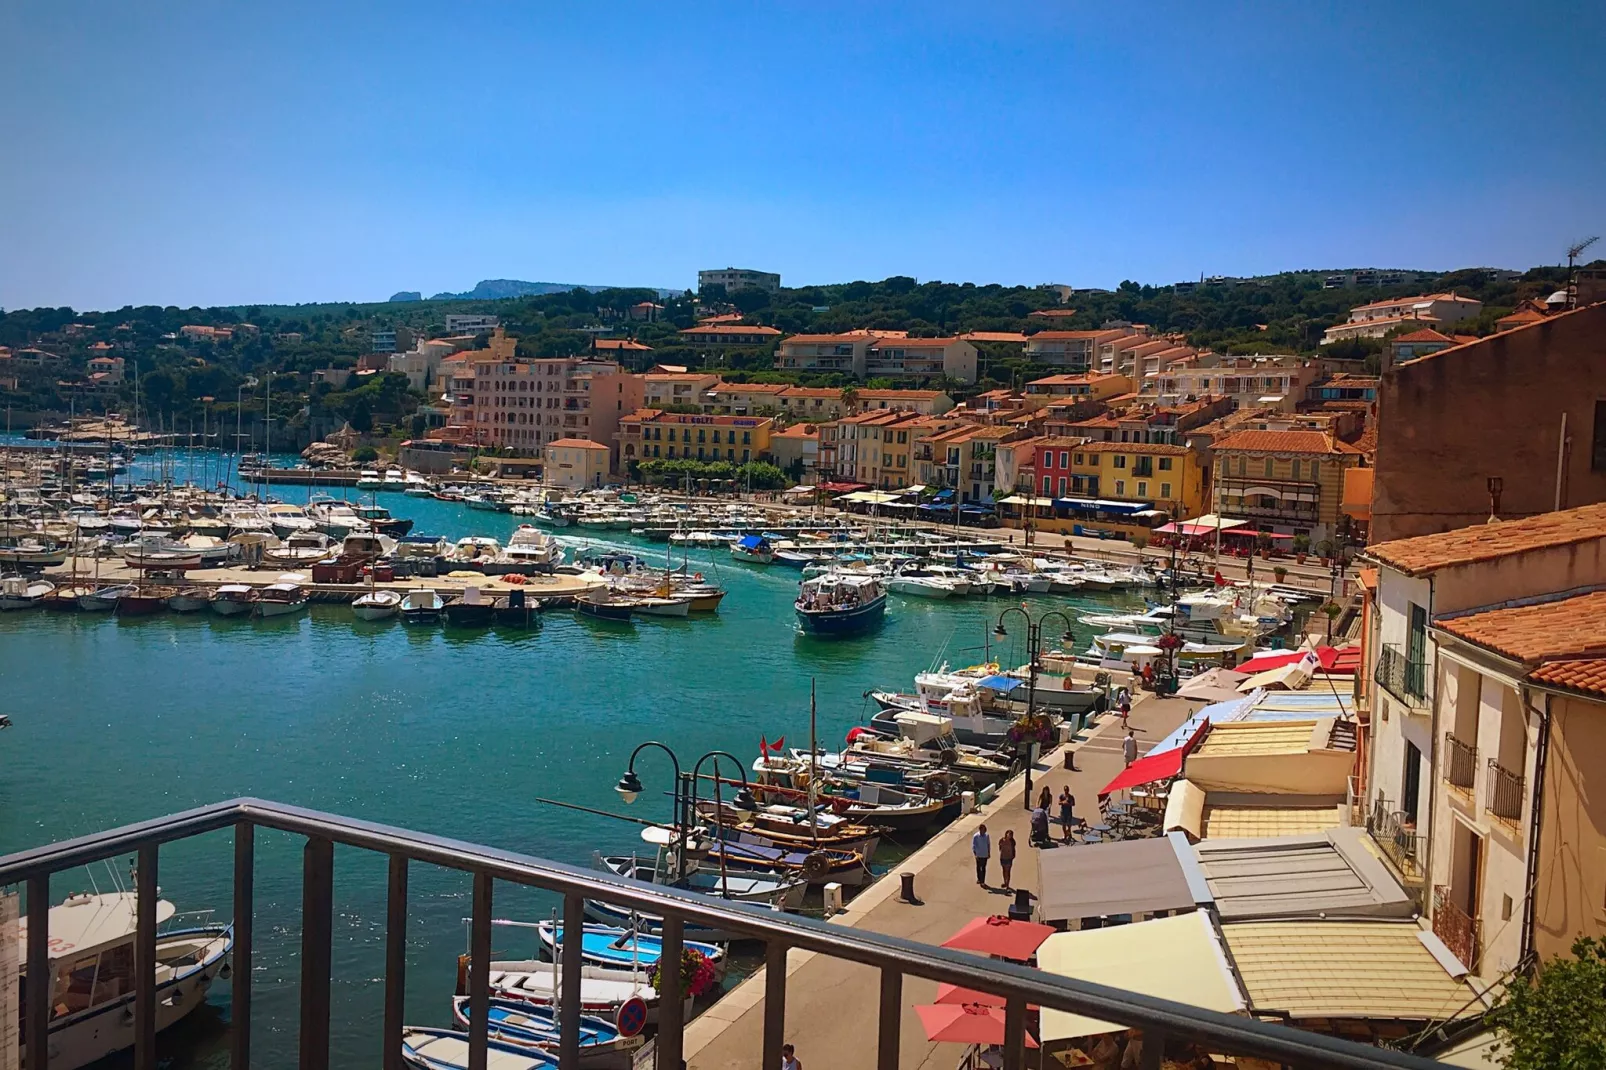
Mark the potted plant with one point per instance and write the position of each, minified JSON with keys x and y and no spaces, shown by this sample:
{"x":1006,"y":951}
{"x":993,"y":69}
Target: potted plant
{"x":1280,"y":572}
{"x":1031,"y":728}
{"x":696,"y":973}
{"x":1301,"y":548}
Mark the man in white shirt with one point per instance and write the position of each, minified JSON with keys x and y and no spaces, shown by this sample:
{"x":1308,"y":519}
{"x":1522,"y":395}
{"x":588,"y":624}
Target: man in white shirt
{"x":981,"y":845}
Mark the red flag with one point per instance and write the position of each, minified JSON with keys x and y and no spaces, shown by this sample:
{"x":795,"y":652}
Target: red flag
{"x":778,"y":744}
{"x":763,"y":747}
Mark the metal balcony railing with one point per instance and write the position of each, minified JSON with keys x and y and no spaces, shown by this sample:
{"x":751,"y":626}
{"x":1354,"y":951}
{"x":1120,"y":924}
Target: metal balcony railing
{"x":894,"y":957}
{"x":1462,"y":934}
{"x":1399,"y":841}
{"x":1460,"y":762}
{"x":1505,"y":792}
{"x":1402,"y":676}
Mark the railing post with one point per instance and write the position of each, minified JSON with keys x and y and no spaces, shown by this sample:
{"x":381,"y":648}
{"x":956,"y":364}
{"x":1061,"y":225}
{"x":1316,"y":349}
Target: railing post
{"x":1015,"y":1034}
{"x":479,"y":975}
{"x":395,"y":963}
{"x":574,"y":922}
{"x":1153,"y":1049}
{"x":671,"y":1013}
{"x":145,"y":961}
{"x":244,"y":912}
{"x":890,"y":1023}
{"x":317,"y":934}
{"x":774,"y":1003}
{"x":38,"y":990}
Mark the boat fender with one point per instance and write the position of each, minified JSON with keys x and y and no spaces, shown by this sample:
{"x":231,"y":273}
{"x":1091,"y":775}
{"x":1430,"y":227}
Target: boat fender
{"x":815,"y":866}
{"x":1065,"y":684}
{"x":699,"y":577}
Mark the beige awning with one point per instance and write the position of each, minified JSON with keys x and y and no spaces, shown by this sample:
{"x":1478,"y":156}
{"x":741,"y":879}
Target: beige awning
{"x":1176,"y":958}
{"x":1020,"y":499}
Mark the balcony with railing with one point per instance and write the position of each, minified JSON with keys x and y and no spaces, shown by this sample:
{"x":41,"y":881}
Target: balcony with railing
{"x":307,"y":1014}
{"x":1462,"y":934}
{"x":1392,"y":831}
{"x":1505,"y":793}
{"x":1460,"y":762}
{"x":1404,"y":677}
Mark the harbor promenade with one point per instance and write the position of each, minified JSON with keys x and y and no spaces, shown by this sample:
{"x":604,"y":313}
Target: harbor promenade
{"x":831,"y":1005}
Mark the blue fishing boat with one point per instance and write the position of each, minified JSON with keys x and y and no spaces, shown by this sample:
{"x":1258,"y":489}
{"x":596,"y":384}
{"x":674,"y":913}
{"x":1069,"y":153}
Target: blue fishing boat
{"x":424,"y":1048}
{"x":754,"y":548}
{"x":529,"y":1025}
{"x":621,"y":948}
{"x":838,"y":604}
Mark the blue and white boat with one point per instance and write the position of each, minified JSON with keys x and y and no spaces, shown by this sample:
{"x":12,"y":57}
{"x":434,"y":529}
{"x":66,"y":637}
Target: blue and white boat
{"x":840,"y":603}
{"x":755,"y":549}
{"x":764,"y":889}
{"x":621,"y":948}
{"x":528,"y":1025}
{"x":424,"y":1048}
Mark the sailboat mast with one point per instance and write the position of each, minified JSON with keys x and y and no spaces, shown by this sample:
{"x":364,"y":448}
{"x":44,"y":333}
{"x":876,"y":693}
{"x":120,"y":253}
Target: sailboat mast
{"x":814,"y":825}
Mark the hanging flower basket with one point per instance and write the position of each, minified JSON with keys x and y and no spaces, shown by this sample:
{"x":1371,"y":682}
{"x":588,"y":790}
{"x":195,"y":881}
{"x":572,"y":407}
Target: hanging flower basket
{"x":1031,"y":728}
{"x":696,"y":973}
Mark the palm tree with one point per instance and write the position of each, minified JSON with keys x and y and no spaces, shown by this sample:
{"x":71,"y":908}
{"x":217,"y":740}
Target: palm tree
{"x":850,"y":398}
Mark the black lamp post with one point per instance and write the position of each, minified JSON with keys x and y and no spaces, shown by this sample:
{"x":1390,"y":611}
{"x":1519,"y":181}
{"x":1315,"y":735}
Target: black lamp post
{"x":685,"y":793}
{"x":1034,"y":642}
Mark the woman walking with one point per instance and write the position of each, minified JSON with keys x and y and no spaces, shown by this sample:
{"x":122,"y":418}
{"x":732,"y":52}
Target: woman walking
{"x":1006,"y":854}
{"x":1045,"y":798}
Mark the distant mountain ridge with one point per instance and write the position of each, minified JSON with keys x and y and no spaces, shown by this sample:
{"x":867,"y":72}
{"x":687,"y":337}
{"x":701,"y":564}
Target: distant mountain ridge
{"x":499,"y":289}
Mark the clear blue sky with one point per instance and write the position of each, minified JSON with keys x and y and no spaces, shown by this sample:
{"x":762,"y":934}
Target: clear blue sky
{"x":178,"y":153}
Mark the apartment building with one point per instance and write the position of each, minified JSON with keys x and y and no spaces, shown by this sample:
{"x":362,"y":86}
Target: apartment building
{"x":964,"y":458}
{"x":575,"y":463}
{"x":1075,"y":351}
{"x":1160,"y":475}
{"x":663,"y":389}
{"x":1285,"y":482}
{"x":872,"y":447}
{"x":1251,"y":382}
{"x":1086,"y":386}
{"x":1145,"y":422}
{"x":390,"y":340}
{"x":471,"y":325}
{"x":422,"y":363}
{"x":501,"y":400}
{"x":1487,"y":697}
{"x":1380,"y":317}
{"x":649,"y":433}
{"x":743,"y":399}
{"x":863,"y":353}
{"x":796,"y":448}
{"x":737,"y":279}
{"x":728,"y":334}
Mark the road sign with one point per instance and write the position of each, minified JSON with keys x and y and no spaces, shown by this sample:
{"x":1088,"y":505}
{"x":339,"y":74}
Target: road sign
{"x":631,"y":1017}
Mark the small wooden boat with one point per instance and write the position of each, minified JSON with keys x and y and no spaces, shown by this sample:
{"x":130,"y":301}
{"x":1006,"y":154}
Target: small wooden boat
{"x":424,"y":1048}
{"x":654,"y":606}
{"x":515,"y":1021}
{"x":281,"y":599}
{"x":602,"y":991}
{"x":103,"y":599}
{"x":19,"y":592}
{"x":619,"y":948}
{"x":64,"y":599}
{"x":233,"y":600}
{"x":517,"y":610}
{"x":470,"y":610}
{"x":763,"y":889}
{"x":189,"y":600}
{"x":780,"y":825}
{"x":421,"y":606}
{"x":143,"y":601}
{"x":603,"y":606}
{"x":377,"y":604}
{"x":754,"y":549}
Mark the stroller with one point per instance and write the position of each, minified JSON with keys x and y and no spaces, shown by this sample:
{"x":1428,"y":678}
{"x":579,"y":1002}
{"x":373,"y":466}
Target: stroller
{"x":1040,"y":836}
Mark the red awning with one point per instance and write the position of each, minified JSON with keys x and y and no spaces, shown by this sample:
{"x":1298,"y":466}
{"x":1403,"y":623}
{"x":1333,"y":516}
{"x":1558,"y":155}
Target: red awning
{"x":1162,"y":765}
{"x":843,"y":488}
{"x":1331,"y":659}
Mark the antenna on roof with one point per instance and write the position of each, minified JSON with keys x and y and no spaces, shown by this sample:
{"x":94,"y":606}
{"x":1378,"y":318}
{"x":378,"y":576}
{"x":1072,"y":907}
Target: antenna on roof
{"x":1576,"y":250}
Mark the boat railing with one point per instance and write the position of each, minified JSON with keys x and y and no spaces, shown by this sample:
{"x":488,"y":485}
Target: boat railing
{"x":895,"y":958}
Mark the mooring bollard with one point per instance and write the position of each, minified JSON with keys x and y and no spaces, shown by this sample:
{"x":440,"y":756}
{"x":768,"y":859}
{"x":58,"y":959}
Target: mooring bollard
{"x":833,"y":899}
{"x":908,"y":880}
{"x":967,"y":802}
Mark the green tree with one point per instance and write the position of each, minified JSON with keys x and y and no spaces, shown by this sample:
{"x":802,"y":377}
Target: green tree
{"x":1556,"y":1020}
{"x":365,"y":455}
{"x":850,"y":398}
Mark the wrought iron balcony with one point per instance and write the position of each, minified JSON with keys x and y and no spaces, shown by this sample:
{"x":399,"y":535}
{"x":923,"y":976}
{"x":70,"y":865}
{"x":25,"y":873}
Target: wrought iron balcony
{"x":895,"y":958}
{"x":1505,"y":792}
{"x":1402,"y":676}
{"x":1463,"y":935}
{"x":1460,"y":762}
{"x":1399,"y":840}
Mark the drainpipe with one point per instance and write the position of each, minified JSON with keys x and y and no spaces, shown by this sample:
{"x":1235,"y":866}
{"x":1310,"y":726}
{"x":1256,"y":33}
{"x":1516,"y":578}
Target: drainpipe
{"x":1529,"y":886}
{"x":1561,"y":460}
{"x":1433,"y":766}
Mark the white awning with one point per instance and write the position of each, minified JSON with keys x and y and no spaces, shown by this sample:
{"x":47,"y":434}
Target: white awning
{"x":1019,"y":499}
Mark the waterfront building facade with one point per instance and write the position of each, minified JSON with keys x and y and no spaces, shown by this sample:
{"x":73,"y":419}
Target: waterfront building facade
{"x":652,"y":434}
{"x":1286,"y":482}
{"x":575,"y":463}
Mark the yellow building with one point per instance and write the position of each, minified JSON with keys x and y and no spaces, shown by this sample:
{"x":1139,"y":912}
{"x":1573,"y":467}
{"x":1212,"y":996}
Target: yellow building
{"x":651,"y":434}
{"x":1125,"y":488}
{"x":1289,"y":482}
{"x":575,"y":463}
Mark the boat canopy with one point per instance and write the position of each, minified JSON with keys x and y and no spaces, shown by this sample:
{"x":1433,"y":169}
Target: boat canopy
{"x":1001,"y":684}
{"x":751,"y":542}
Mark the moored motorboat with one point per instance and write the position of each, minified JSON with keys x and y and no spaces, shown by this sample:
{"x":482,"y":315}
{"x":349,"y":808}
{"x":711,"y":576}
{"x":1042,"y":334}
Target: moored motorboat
{"x":614,"y":947}
{"x":19,"y":592}
{"x":281,"y":599}
{"x":602,"y":991}
{"x":471,"y":609}
{"x":143,"y":601}
{"x":516,"y":1021}
{"x":233,"y":600}
{"x":425,"y":1048}
{"x":754,"y":549}
{"x":103,"y":599}
{"x":421,"y":606}
{"x":189,"y":600}
{"x":517,"y":609}
{"x":377,"y":604}
{"x":604,"y":605}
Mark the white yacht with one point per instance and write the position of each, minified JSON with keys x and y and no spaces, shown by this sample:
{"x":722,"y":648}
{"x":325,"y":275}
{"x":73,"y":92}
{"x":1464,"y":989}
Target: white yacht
{"x":370,"y":479}
{"x":529,"y":545}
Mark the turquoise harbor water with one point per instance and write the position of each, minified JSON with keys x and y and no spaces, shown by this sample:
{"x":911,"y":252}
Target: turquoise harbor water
{"x":455,"y":733}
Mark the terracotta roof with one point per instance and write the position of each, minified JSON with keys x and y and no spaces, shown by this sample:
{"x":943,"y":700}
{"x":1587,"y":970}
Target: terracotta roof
{"x":1062,"y":380}
{"x":1519,"y":318}
{"x":1381,"y":321}
{"x":813,"y":392}
{"x":797,"y":431}
{"x":1158,"y":449}
{"x":1417,"y":301}
{"x":1577,"y":674}
{"x":824,"y":339}
{"x":1053,"y":313}
{"x":577,"y":443}
{"x":1426,"y":334}
{"x":752,"y":388}
{"x":902,"y":395}
{"x":912,"y":343}
{"x":1319,"y":442}
{"x":1566,"y":627}
{"x":1059,"y":336}
{"x":993,"y":336}
{"x":1487,"y":542}
{"x":677,"y":377}
{"x":730,"y":329}
{"x":621,"y":343}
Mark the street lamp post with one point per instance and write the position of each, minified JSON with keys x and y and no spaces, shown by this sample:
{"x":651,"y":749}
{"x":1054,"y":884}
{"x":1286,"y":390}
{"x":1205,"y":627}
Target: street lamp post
{"x":685,"y":794}
{"x":1034,"y":642}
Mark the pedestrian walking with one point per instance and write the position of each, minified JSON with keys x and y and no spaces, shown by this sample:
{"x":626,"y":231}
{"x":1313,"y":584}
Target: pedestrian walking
{"x":1067,"y":814}
{"x":1045,"y":798}
{"x":1126,"y":710}
{"x":789,"y":1059}
{"x":1129,"y":747}
{"x":1006,"y":854}
{"x":981,"y":845}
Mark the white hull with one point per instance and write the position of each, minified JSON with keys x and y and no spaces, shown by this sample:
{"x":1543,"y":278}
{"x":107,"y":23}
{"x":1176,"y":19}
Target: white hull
{"x":280,"y":609}
{"x":225,"y":608}
{"x":376,"y":606}
{"x":917,"y":589}
{"x":667,"y":607}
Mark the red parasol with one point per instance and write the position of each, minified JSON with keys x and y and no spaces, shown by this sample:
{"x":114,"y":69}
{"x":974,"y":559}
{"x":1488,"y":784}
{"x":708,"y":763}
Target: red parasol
{"x":1000,"y":936}
{"x":965,"y":1023}
{"x":953,"y":994}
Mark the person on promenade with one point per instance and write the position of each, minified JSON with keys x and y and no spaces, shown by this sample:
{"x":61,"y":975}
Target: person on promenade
{"x":1040,"y":836}
{"x":1006,"y":854}
{"x":1129,"y":747}
{"x":1067,"y":813}
{"x":981,"y":845}
{"x":1045,"y":798}
{"x":789,"y":1060}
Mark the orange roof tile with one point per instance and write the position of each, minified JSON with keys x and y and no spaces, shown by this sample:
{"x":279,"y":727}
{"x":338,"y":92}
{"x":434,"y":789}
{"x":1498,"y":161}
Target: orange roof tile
{"x":1487,"y":542}
{"x":1158,"y":449}
{"x":753,"y":388}
{"x":1053,"y":313}
{"x":1284,"y":442}
{"x":1418,"y":300}
{"x":1576,"y":674}
{"x":824,"y":339}
{"x":621,"y":343}
{"x":912,"y":343}
{"x":1426,"y":334}
{"x":1566,"y":627}
{"x":902,"y":395}
{"x":994,"y":336}
{"x":577,"y":443}
{"x":731,"y":329}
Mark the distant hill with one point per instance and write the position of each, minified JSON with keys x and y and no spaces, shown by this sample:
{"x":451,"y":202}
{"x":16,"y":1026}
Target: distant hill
{"x":497,"y":289}
{"x":407,"y":295}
